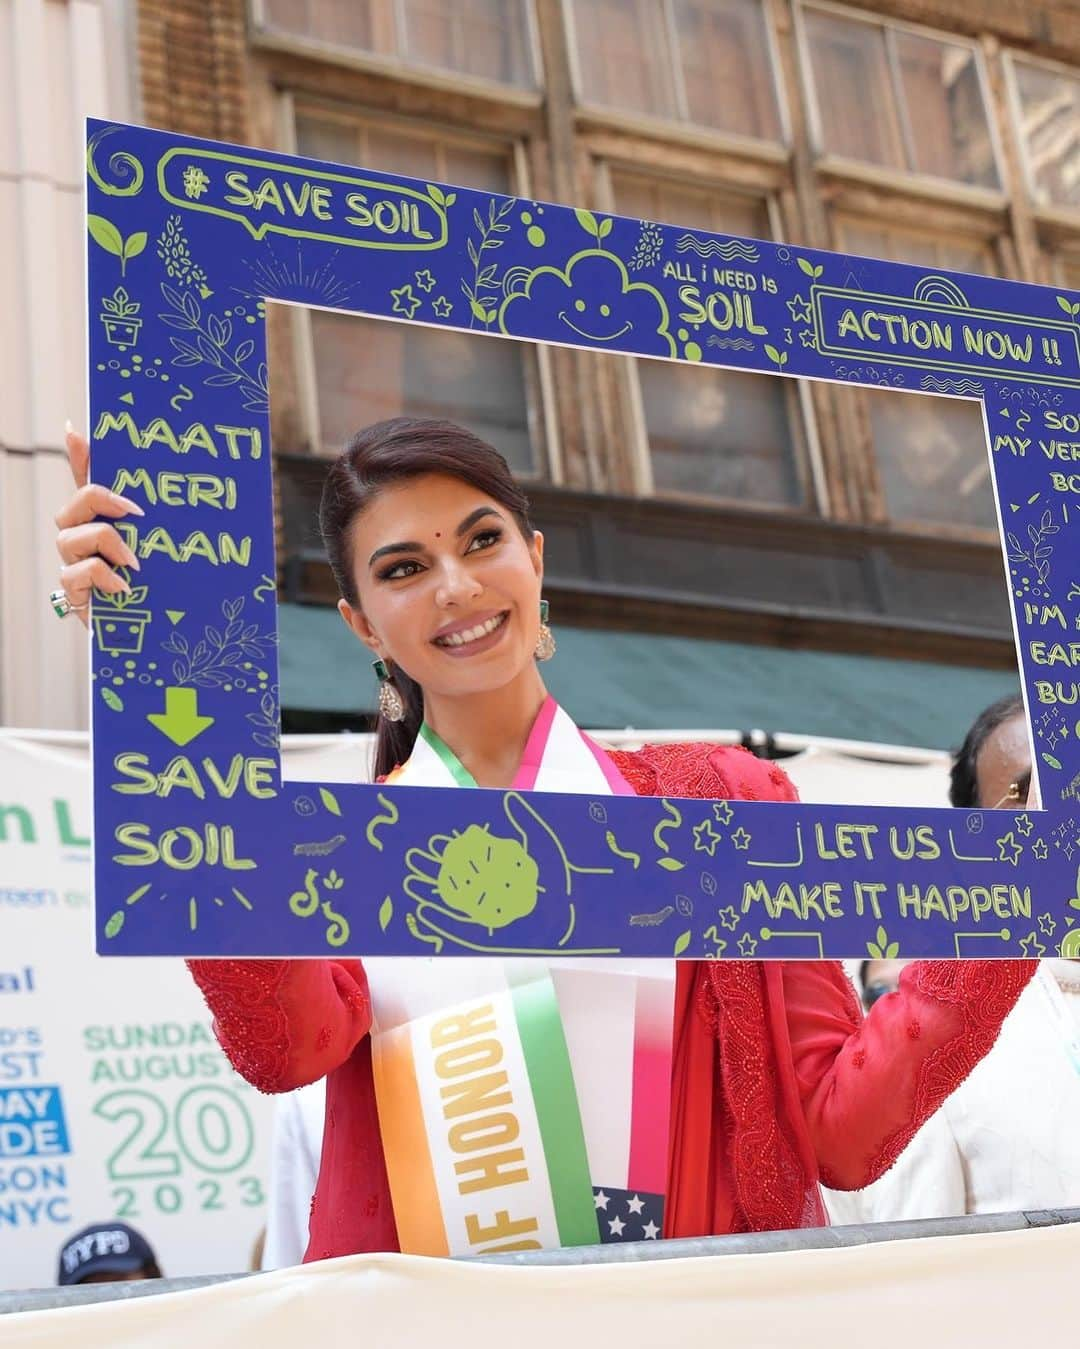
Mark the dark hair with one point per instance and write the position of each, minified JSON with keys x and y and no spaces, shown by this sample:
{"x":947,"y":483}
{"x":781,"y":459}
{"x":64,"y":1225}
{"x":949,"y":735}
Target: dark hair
{"x":963,"y":779}
{"x":392,"y":452}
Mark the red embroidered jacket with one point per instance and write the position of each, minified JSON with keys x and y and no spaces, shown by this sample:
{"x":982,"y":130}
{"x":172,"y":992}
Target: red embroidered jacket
{"x":777,"y":1081}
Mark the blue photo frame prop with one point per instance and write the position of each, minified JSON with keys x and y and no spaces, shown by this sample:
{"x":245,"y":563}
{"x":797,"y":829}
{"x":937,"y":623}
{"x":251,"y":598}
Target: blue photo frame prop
{"x":200,"y":849}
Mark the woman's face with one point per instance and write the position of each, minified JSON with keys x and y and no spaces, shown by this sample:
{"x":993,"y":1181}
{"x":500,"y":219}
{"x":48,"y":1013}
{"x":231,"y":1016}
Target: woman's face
{"x":449,"y":589}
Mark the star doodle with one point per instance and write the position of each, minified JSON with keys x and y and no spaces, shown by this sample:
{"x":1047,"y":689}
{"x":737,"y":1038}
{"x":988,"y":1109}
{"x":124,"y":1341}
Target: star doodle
{"x":636,"y":1204}
{"x":1032,"y":947}
{"x":601,"y":1200}
{"x":808,"y":337}
{"x":729,"y":918}
{"x":706,"y":838}
{"x":651,"y":1231}
{"x":722,"y":811}
{"x":800,"y":309}
{"x":615,"y":1227}
{"x":1039,"y":850}
{"x":1024,"y":825}
{"x":442,"y":307}
{"x":1047,"y":926}
{"x":741,"y":839}
{"x":405,"y":302}
{"x":747,"y":946}
{"x":1008,"y":849}
{"x":425,"y":280}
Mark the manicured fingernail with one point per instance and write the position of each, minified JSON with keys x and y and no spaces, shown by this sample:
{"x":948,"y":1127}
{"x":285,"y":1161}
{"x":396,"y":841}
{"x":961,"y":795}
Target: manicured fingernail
{"x":133,"y":561}
{"x":69,"y":430}
{"x":128,"y":505}
{"x":124,"y":585}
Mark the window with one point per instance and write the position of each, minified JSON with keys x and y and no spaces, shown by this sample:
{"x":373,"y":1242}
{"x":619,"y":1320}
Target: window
{"x":701,"y":61}
{"x":898,"y":98}
{"x":484,"y":38}
{"x":364,"y":370}
{"x":1047,"y":106}
{"x":953,"y":253}
{"x":718,"y":433}
{"x":930,"y":453}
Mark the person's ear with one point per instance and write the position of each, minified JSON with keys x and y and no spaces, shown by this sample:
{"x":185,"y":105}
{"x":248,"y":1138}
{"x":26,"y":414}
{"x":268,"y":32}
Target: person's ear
{"x":536,"y":549}
{"x":356,"y":621}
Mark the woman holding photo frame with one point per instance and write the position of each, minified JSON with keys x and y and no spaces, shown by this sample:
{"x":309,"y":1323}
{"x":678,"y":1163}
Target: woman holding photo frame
{"x":481,"y":1105}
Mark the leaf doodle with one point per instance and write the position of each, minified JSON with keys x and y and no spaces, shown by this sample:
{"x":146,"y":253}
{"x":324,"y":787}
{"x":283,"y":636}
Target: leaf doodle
{"x":882,"y":948}
{"x":329,"y":800}
{"x":484,"y":307}
{"x":1037,"y":556}
{"x":209,"y":345}
{"x":386,"y":912}
{"x":682,"y":942}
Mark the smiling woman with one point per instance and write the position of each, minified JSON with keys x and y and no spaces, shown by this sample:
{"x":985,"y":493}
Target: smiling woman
{"x":439,"y":571}
{"x":707,"y":1097}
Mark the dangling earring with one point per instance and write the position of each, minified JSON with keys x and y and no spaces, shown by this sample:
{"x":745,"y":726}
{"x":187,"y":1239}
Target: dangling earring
{"x":391,"y":703}
{"x":545,"y":641}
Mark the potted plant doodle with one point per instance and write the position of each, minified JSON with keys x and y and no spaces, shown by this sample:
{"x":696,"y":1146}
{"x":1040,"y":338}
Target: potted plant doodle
{"x":118,"y":626}
{"x":121,"y":325}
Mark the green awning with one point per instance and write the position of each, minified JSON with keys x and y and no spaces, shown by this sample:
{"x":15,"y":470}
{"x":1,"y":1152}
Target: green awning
{"x":649,"y":682}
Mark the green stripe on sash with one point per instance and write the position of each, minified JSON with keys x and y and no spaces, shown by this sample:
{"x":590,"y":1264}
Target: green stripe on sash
{"x":453,"y":764}
{"x":547,"y":1061}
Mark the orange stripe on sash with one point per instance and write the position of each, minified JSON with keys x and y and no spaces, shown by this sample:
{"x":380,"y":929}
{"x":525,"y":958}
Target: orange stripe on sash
{"x":417,"y":1208}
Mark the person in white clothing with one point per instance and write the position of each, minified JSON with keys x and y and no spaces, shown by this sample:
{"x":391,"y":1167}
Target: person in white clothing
{"x":1009,"y":1137}
{"x":295,"y":1148}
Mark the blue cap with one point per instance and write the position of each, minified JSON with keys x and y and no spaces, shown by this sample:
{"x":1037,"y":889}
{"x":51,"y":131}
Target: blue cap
{"x":104,"y":1248}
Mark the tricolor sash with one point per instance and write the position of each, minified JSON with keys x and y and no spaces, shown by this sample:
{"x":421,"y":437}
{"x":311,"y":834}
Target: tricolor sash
{"x":522,"y":1105}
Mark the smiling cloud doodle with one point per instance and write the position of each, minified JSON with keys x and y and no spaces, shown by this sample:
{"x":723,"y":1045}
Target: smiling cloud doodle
{"x":591,"y":300}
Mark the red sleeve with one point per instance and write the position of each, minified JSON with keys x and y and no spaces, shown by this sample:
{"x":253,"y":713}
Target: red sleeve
{"x":285,"y":1023}
{"x":703,"y":772}
{"x":868,"y":1085}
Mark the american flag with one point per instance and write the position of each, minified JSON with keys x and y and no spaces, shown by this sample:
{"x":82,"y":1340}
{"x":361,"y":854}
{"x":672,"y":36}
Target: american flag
{"x":628,"y":1215}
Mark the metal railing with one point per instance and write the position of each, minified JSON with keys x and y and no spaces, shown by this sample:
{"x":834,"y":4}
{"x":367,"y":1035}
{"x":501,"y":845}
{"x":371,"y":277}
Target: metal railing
{"x":751,"y":1243}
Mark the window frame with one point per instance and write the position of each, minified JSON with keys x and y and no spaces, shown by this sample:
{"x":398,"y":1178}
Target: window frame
{"x":541,"y":408}
{"x":1067,"y":217}
{"x":810,"y":468}
{"x":679,"y":129}
{"x":860,"y":425}
{"x":906,"y":180}
{"x":263,"y":36}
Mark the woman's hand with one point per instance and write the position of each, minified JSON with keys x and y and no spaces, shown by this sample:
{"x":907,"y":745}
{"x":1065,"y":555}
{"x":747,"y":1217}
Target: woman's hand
{"x":90,"y":548}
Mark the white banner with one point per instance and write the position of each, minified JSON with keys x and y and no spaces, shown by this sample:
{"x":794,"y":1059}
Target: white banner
{"x":993,"y":1291}
{"x":115,"y":1100}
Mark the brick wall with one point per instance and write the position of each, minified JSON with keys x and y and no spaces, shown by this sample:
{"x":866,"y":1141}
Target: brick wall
{"x":193,"y":62}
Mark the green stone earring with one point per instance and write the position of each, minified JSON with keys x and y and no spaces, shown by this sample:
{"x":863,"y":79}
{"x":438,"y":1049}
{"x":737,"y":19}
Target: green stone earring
{"x":545,"y":642}
{"x":391,"y":703}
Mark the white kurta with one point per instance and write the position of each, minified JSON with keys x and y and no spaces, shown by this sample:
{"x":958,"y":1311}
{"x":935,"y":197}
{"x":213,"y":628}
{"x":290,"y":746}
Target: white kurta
{"x":1009,"y":1137}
